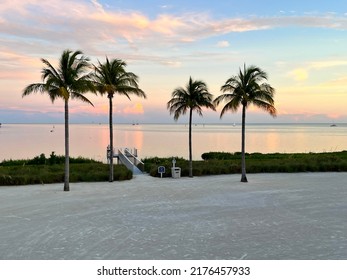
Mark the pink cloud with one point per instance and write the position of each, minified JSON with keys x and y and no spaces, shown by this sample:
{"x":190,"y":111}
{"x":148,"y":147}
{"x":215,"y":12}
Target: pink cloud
{"x":136,"y":109}
{"x":86,"y":23}
{"x":17,"y":66}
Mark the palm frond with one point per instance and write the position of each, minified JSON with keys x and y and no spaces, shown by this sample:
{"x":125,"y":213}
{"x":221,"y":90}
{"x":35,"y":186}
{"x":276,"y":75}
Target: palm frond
{"x":68,"y":79}
{"x":81,"y":97}
{"x":194,"y":96}
{"x":111,"y":77}
{"x":50,"y":72}
{"x":33,"y":88}
{"x":233,"y":105}
{"x":248,"y":87}
{"x":265,"y":106}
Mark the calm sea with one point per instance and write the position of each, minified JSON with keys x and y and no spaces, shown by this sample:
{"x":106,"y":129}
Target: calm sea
{"x":19,"y":141}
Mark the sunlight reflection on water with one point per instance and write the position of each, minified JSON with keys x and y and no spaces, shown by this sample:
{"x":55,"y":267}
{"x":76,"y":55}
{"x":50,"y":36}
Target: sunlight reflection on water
{"x":166,"y":140}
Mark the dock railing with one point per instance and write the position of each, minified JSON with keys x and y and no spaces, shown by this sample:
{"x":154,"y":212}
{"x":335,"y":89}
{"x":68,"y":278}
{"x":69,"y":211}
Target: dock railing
{"x":128,"y":158}
{"x":132,"y":156}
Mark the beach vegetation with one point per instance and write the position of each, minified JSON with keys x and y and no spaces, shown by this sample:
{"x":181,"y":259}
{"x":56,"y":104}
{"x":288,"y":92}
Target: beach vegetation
{"x":245,"y":89}
{"x":110,"y":78}
{"x":42,"y":170}
{"x":191,"y":98}
{"x":69,"y":81}
{"x":216,"y":163}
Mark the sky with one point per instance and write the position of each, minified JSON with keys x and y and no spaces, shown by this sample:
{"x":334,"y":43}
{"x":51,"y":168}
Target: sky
{"x":302,"y":45}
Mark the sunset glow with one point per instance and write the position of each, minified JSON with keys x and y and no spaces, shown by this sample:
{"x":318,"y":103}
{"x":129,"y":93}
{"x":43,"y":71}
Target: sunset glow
{"x":301,"y":45}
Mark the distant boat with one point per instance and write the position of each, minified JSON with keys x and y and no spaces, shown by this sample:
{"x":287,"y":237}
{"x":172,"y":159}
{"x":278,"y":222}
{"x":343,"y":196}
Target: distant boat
{"x":333,"y":125}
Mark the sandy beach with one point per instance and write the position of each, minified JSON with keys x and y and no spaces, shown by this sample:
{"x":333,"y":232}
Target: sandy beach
{"x":274,"y":216}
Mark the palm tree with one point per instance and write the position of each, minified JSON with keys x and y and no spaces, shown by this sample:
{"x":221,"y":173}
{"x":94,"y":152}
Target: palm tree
{"x":110,"y":78}
{"x":192,"y":98}
{"x":69,"y":80}
{"x":247,"y":88}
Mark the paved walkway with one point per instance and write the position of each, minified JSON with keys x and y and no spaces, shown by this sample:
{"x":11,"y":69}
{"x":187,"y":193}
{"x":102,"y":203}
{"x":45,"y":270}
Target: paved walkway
{"x":274,"y":216}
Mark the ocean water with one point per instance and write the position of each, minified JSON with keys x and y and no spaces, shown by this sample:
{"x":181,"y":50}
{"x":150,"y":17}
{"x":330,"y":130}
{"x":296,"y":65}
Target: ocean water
{"x":21,"y":141}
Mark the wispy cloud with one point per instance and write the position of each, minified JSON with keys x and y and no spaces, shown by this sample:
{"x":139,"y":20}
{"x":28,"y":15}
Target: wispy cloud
{"x":98,"y":6}
{"x":302,"y":73}
{"x":223,"y":44}
{"x":30,"y":29}
{"x":88,"y":23}
{"x":16,"y":65}
{"x":299,"y":74}
{"x":35,"y":28}
{"x":340,"y":82}
{"x":326,"y":64}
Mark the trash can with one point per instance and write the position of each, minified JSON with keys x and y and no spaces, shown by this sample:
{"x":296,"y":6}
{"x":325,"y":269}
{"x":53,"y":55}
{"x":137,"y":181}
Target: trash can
{"x":176,"y":172}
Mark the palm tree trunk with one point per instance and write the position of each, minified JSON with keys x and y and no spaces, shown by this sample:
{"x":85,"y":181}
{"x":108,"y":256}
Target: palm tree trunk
{"x":111,"y":140}
{"x":243,"y":160}
{"x":67,"y":156}
{"x":190,"y":144}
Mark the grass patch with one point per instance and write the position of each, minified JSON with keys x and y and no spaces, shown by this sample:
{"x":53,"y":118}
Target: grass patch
{"x":41,"y":170}
{"x":216,"y":163}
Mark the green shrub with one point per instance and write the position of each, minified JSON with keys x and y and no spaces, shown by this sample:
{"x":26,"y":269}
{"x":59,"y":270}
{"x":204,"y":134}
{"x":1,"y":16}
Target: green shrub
{"x":218,"y":155}
{"x":42,"y":160}
{"x":39,"y":160}
{"x":255,"y":163}
{"x":46,"y":174}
